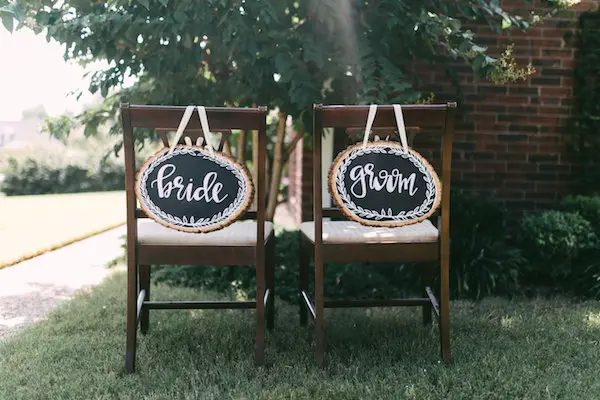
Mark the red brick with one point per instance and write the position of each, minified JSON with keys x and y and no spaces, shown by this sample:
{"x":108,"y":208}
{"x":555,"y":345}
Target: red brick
{"x":547,"y":42}
{"x":556,"y":92}
{"x":550,"y":110}
{"x":483,"y":127}
{"x":490,"y":166}
{"x":553,"y":32}
{"x":525,"y":148}
{"x":522,"y":100}
{"x":556,"y":53}
{"x":544,"y":120}
{"x":546,"y":148}
{"x":483,"y":117}
{"x":498,"y":148}
{"x":511,"y":157}
{"x":508,"y":177}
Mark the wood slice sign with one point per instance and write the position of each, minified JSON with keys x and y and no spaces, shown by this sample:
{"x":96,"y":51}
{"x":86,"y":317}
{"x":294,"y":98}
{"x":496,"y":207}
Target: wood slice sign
{"x":191,"y":189}
{"x":384,"y":184}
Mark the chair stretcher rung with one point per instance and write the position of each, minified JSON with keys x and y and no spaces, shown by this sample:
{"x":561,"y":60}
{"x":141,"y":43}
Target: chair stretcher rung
{"x":140,"y":303}
{"x":376,"y":303}
{"x":309,"y":305}
{"x":207,"y":305}
{"x":434,"y":302}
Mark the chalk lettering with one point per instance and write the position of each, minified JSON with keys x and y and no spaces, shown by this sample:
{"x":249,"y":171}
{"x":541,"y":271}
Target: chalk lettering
{"x":365,"y":178}
{"x":209,"y":191}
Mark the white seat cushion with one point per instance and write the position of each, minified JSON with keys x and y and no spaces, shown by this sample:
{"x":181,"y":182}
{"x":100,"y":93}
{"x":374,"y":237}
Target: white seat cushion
{"x":239,"y":233}
{"x":353,"y":232}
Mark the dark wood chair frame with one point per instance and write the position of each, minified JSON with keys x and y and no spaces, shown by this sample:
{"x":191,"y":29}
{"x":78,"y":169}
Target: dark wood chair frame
{"x":141,"y":256}
{"x":440,"y":116}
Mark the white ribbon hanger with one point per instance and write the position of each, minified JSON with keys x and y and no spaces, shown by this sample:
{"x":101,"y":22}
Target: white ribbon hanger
{"x":205,"y":129}
{"x":399,"y":124}
{"x":370,"y":119}
{"x":189,"y":110}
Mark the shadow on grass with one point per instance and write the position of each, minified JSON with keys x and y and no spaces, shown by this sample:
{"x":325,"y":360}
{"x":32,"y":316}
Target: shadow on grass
{"x":502,"y":349}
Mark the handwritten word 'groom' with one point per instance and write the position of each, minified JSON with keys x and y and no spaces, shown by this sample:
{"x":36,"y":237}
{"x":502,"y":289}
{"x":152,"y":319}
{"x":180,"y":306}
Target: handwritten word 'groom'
{"x":208,"y":191}
{"x":364,"y":177}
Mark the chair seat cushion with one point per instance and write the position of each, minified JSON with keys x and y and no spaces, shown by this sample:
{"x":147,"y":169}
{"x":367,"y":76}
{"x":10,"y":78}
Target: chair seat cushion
{"x":240,"y":233}
{"x":352,"y":232}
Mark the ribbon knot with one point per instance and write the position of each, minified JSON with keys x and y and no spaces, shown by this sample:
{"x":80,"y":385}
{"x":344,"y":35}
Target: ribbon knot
{"x":189,"y":110}
{"x":399,"y":124}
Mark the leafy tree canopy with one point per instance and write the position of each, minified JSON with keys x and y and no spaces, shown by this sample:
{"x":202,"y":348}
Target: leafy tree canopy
{"x":284,"y":53}
{"x":9,"y":12}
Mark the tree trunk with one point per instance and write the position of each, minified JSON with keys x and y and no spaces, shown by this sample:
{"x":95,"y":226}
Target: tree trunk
{"x":227,"y":147}
{"x":292,"y":146}
{"x":267,"y":176}
{"x":277,"y":167}
{"x":254,"y":164}
{"x":241,"y":147}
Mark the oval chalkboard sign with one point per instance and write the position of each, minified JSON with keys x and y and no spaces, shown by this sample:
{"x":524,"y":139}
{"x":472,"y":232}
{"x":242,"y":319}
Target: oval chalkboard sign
{"x":383,"y":184}
{"x":193,"y":190}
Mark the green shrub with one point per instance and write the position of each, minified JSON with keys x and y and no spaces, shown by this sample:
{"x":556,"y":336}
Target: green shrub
{"x":78,"y":164}
{"x":483,"y":260}
{"x":589,"y":208}
{"x":482,"y":263}
{"x":560,"y":248}
{"x":586,"y":206}
{"x":40,"y":174}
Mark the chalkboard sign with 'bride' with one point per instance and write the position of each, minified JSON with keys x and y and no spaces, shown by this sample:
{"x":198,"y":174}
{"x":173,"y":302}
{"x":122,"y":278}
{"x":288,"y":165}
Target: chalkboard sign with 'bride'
{"x":191,"y":188}
{"x":384,"y":183}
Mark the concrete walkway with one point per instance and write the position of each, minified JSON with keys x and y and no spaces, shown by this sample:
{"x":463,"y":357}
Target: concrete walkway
{"x":31,"y":289}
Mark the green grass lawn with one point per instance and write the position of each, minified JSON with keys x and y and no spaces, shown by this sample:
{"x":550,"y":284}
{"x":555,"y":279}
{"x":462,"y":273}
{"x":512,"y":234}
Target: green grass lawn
{"x":525,"y":349}
{"x":32,"y":224}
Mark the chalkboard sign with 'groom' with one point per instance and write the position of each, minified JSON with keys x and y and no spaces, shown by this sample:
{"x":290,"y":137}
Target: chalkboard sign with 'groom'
{"x":384,"y":183}
{"x":191,"y":188}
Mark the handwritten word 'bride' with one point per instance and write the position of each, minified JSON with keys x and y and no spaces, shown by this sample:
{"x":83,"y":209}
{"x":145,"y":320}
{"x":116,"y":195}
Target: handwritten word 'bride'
{"x":364,"y":176}
{"x":208,"y":191}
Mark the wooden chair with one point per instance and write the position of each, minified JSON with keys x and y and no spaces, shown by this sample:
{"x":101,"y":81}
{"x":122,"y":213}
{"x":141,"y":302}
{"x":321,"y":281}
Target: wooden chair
{"x":249,"y":242}
{"x":346,"y":241}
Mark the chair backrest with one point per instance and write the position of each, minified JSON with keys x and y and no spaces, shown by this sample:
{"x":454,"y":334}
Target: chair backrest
{"x":167,"y":118}
{"x":437,"y":117}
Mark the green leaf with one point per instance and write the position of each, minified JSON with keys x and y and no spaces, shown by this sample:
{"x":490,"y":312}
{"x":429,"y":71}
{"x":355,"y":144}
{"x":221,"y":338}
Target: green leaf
{"x":145,"y":3}
{"x":478,"y":62}
{"x":8,"y":22}
{"x":164,"y":2}
{"x":478,"y":49}
{"x":19,"y":12}
{"x":180,"y":16}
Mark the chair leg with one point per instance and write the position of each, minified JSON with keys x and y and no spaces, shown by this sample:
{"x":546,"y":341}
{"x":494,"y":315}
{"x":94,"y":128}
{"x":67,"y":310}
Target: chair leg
{"x":131,"y":328}
{"x":271,"y":285}
{"x":319,"y":309}
{"x":145,"y":285}
{"x":426,"y":281}
{"x":304,"y":260}
{"x":445,"y":310}
{"x":259,"y":355}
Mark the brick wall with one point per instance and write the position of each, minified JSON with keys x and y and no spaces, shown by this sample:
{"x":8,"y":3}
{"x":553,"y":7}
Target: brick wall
{"x":510,"y":141}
